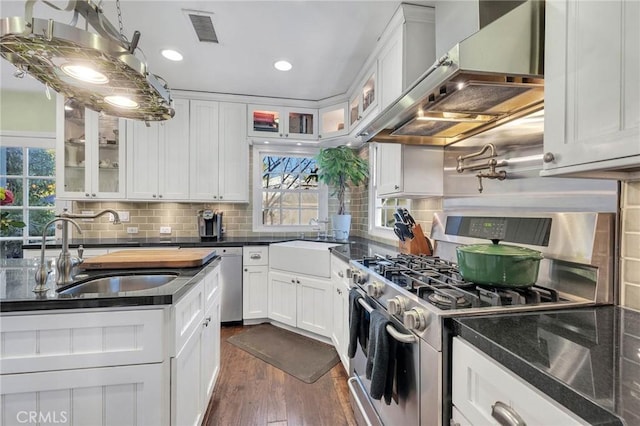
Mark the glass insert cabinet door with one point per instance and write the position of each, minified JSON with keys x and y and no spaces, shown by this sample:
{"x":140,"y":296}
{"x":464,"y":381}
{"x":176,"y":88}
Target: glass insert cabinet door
{"x":283,"y":122}
{"x":93,"y":154}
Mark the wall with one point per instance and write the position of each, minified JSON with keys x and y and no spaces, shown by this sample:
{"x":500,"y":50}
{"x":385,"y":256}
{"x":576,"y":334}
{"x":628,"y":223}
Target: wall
{"x":27,"y":111}
{"x":630,"y":245}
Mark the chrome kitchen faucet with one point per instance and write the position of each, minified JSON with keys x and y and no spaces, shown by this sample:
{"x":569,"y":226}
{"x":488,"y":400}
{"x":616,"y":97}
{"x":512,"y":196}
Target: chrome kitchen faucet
{"x":65,"y":264}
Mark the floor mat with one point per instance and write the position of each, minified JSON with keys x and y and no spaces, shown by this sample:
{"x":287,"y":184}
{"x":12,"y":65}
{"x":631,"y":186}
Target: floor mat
{"x":300,"y":356}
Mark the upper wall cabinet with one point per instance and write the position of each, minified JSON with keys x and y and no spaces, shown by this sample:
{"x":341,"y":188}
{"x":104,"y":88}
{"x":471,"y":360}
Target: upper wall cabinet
{"x":333,"y":121}
{"x":158,"y":156}
{"x":283,"y":122}
{"x":592,"y":89}
{"x":408,"y":171}
{"x":219,"y":166}
{"x":408,"y":50}
{"x":91,"y":154}
{"x":364,"y":99}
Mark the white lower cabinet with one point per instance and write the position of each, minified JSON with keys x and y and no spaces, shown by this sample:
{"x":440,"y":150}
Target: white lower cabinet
{"x":155,"y":366}
{"x":340,"y":308}
{"x":479,"y":383}
{"x":195,"y":366}
{"x":124,"y":395}
{"x":255,"y":282}
{"x":300,"y":301}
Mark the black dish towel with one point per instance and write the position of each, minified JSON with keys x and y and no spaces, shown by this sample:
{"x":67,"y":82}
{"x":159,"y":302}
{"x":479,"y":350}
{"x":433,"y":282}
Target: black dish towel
{"x":358,"y":324}
{"x":381,"y":359}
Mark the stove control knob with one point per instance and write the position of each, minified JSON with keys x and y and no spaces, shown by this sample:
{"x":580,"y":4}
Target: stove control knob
{"x":375,"y":289}
{"x":397,"y":305}
{"x":360,"y":278}
{"x":415,"y":320}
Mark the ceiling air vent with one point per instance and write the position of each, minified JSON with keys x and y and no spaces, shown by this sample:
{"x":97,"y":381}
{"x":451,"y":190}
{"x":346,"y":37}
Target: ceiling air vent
{"x":202,"y":25}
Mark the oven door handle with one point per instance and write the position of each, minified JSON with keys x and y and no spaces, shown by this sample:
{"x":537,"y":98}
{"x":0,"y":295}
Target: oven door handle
{"x":400,"y":337}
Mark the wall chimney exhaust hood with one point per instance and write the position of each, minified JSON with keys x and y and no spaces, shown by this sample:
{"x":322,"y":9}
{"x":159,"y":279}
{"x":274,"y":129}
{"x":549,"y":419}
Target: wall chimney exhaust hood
{"x":488,"y":79}
{"x":98,"y":70}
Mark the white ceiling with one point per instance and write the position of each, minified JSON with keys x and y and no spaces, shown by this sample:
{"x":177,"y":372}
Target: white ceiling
{"x":326,"y":41}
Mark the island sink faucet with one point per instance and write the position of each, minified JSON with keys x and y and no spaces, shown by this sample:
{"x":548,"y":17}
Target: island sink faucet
{"x":66,"y":263}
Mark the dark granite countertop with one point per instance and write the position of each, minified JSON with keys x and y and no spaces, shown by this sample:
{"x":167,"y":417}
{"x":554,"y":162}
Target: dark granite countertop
{"x":16,"y":293}
{"x":155,"y":242}
{"x":586,"y":359}
{"x":355,"y":248}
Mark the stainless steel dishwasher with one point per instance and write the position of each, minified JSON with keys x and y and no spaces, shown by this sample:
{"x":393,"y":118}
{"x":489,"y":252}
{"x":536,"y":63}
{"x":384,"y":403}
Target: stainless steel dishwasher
{"x":231,"y":284}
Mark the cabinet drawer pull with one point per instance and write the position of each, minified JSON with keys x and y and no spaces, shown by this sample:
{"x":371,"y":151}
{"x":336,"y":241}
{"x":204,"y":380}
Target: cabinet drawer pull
{"x":246,"y":270}
{"x":505,"y":415}
{"x":256,"y":256}
{"x":206,"y":322}
{"x":293,"y":281}
{"x":548,"y":157}
{"x":341,"y":274}
{"x":396,"y":187}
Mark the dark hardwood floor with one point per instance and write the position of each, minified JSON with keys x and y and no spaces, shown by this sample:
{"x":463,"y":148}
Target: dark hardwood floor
{"x":251,"y":392}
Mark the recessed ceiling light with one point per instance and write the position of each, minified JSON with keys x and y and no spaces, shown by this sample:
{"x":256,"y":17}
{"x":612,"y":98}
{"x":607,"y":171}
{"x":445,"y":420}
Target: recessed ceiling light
{"x":121,"y":101}
{"x":283,"y":65}
{"x":84,"y":73}
{"x":172,"y":55}
{"x":266,"y":142}
{"x":299,"y":143}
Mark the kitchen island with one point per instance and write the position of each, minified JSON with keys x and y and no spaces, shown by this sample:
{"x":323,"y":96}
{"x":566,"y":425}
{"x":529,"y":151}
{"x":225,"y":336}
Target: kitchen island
{"x":138,"y":357}
{"x":586,"y":360}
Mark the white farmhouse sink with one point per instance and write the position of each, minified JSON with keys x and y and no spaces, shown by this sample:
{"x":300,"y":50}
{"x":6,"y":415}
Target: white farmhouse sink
{"x":302,"y":257}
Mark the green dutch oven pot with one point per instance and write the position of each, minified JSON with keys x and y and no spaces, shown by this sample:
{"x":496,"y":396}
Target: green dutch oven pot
{"x":499,"y":264}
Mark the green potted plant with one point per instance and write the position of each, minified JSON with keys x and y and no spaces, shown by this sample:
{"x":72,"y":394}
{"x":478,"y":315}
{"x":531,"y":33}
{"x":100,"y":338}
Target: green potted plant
{"x":339,"y":168}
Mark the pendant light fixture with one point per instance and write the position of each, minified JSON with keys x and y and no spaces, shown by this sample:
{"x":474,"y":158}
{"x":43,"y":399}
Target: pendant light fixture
{"x":96,"y":69}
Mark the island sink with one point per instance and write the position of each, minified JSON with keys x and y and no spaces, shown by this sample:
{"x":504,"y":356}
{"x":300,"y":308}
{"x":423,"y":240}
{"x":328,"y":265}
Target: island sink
{"x":120,"y":283}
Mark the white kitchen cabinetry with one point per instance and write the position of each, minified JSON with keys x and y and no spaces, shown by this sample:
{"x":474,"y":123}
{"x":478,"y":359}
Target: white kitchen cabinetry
{"x":90,"y":154}
{"x":333,"y":121}
{"x":408,"y":171}
{"x":340,"y":308}
{"x":94,"y":368}
{"x":255,"y":282}
{"x":283,"y":122}
{"x":364,"y":99}
{"x":196,"y":354}
{"x":407,"y":52}
{"x":300,"y":301}
{"x":592,"y":90}
{"x":153,"y":366}
{"x":479,"y":383}
{"x":158,"y":157}
{"x":219,"y":165}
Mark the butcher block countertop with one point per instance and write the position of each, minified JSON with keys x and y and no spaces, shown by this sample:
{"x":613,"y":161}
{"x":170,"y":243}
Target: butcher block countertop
{"x":166,"y":258}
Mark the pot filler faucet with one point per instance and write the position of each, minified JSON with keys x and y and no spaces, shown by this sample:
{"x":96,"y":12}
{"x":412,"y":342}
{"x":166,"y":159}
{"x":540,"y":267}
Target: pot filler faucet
{"x":66,"y":263}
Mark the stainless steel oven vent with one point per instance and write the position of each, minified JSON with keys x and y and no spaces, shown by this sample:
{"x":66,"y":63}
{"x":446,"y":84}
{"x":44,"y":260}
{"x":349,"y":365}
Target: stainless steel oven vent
{"x":98,"y":70}
{"x":203,"y":26}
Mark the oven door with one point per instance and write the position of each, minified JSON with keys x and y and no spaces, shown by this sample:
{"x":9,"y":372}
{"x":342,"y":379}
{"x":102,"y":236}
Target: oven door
{"x":405,"y":405}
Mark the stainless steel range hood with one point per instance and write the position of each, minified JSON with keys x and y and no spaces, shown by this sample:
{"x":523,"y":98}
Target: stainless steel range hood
{"x":486,"y":80}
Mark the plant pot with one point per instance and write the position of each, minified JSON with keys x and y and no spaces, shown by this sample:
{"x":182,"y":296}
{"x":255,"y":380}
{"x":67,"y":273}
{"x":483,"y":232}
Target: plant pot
{"x":340,"y":226}
{"x":499,"y":264}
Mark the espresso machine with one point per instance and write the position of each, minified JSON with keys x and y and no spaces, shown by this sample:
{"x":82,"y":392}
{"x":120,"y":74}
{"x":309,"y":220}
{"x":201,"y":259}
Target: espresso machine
{"x":210,"y":224}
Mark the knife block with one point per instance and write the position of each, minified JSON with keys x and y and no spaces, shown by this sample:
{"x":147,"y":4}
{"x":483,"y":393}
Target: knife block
{"x":417,"y":245}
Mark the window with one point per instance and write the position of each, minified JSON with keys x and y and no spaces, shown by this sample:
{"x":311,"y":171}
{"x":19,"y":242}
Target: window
{"x":287,"y":194}
{"x":381,"y":210}
{"x":27,"y":168}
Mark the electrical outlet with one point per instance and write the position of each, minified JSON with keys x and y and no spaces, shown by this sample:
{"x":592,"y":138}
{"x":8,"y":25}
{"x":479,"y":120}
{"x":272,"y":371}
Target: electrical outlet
{"x":124,"y":216}
{"x":165,"y":229}
{"x":132,"y":230}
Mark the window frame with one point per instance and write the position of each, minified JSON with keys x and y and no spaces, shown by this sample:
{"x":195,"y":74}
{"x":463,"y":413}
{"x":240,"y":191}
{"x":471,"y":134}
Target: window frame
{"x":29,"y":140}
{"x":374,"y":201}
{"x":258,"y":152}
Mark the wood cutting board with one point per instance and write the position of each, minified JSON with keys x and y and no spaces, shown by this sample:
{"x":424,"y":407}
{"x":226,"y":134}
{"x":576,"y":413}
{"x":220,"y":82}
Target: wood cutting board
{"x":166,"y":258}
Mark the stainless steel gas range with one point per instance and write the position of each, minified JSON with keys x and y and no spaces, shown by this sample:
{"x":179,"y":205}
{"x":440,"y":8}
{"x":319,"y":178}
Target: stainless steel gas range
{"x":417,"y":294}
